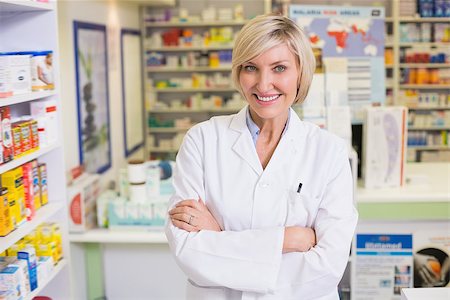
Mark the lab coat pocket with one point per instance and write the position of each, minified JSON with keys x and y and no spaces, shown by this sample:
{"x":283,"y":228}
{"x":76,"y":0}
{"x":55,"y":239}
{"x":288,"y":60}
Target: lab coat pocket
{"x":301,"y":210}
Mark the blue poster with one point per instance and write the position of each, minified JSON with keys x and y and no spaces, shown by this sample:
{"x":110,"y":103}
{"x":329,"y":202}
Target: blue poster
{"x":382,"y":266}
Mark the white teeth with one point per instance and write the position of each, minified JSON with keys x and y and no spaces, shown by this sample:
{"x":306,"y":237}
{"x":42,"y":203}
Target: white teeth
{"x":267,"y":98}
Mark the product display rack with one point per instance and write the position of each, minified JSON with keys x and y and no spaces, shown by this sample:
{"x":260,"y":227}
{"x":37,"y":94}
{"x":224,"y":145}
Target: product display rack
{"x":415,"y":153}
{"x":167,"y":94}
{"x":18,"y":23}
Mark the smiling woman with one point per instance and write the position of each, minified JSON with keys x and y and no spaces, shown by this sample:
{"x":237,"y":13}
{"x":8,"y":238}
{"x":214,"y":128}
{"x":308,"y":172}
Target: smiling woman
{"x":263,"y":203}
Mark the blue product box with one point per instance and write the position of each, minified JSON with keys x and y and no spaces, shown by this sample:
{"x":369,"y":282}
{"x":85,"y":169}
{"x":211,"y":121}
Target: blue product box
{"x":29,"y":255}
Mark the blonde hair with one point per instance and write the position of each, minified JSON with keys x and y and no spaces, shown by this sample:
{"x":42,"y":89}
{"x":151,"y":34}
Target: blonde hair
{"x":265,"y":32}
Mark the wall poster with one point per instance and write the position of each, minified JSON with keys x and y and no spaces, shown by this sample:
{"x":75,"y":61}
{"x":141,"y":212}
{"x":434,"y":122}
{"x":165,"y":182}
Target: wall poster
{"x":352,"y":37}
{"x":132,"y":90}
{"x":91,"y":66}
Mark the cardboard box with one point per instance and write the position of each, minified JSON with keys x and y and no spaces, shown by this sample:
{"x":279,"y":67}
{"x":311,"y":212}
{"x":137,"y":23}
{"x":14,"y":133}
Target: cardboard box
{"x":82,"y":197}
{"x":6,"y":224}
{"x":43,"y":187}
{"x":13,"y":181}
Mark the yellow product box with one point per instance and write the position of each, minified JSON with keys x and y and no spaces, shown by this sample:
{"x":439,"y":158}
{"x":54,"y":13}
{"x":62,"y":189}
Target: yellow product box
{"x":42,"y":171}
{"x":25,"y":136}
{"x":13,"y":181}
{"x":16,"y":139}
{"x":17,"y":209}
{"x":48,"y":249}
{"x":35,"y":184}
{"x":6,"y":224}
{"x":13,"y":249}
{"x":47,"y":232}
{"x":34,"y":135}
{"x":31,"y":238}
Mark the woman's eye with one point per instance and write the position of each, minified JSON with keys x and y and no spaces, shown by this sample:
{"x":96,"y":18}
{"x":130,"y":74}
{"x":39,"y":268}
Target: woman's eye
{"x":249,"y":68}
{"x":279,"y":68}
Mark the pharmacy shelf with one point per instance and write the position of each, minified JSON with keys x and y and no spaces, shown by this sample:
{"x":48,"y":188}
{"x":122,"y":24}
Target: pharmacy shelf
{"x":431,"y":128}
{"x":425,"y":65}
{"x":41,"y":285}
{"x":162,"y":150}
{"x":20,"y":6}
{"x":193,"y":90}
{"x":422,"y":20}
{"x":119,"y":236}
{"x":25,"y":98}
{"x":428,"y":147}
{"x":424,"y":86}
{"x":194,"y":110}
{"x":167,"y":129}
{"x":196,"y":24}
{"x":163,"y":69}
{"x":24,"y":159}
{"x":430,"y":108}
{"x":189,"y":48}
{"x":42,"y":215}
{"x":428,"y":44}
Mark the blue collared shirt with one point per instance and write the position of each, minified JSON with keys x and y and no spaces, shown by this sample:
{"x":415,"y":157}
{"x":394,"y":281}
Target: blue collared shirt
{"x":254,"y":129}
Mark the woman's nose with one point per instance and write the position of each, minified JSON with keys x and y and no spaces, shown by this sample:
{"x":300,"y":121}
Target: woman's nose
{"x":264,"y":83}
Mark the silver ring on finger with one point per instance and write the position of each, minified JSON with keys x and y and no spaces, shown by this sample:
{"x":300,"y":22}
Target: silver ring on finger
{"x":190,"y":219}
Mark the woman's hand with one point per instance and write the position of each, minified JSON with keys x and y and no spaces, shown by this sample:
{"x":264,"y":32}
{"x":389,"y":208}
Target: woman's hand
{"x":298,"y":239}
{"x":192,"y":215}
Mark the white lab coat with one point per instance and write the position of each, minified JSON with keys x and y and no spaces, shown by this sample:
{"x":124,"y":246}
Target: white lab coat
{"x":218,"y":162}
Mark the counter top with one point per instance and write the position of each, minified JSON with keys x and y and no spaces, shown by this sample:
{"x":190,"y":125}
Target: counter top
{"x":425,"y":182}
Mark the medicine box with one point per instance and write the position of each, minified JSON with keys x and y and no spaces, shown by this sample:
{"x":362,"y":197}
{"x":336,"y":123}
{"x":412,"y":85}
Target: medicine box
{"x":45,"y":113}
{"x":6,"y":224}
{"x":29,"y":255}
{"x":43,"y":188}
{"x":13,"y":181}
{"x":82,"y":196}
{"x":7,"y":141}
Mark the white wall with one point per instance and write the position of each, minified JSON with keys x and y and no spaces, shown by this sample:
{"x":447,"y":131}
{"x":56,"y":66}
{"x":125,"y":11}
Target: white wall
{"x":115,"y":15}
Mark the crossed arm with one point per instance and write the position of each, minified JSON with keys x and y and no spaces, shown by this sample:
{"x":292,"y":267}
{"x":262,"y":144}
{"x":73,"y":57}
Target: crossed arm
{"x":192,"y":216}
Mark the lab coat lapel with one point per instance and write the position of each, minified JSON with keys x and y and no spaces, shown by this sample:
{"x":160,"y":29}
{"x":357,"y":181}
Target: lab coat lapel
{"x":290,"y":146}
{"x":244,"y":146}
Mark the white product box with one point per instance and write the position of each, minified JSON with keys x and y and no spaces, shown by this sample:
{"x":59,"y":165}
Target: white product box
{"x":20,"y":73}
{"x":46,"y":114}
{"x":10,"y":281}
{"x":5,"y":78}
{"x":384,"y":146}
{"x":82,"y":197}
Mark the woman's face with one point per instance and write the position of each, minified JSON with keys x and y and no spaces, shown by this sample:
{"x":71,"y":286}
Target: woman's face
{"x":269,"y":82}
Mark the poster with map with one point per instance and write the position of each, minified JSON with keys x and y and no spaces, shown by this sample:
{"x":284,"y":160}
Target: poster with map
{"x":352,"y":37}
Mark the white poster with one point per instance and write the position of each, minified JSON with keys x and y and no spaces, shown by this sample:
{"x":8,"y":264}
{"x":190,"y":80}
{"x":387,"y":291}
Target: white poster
{"x":382,"y":266}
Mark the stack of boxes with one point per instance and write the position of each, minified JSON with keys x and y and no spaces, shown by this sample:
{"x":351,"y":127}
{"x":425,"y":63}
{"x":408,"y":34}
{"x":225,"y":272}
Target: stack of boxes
{"x":30,"y":261}
{"x":23,"y":191}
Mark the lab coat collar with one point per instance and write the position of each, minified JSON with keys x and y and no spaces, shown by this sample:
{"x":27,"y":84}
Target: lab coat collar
{"x":290,"y":144}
